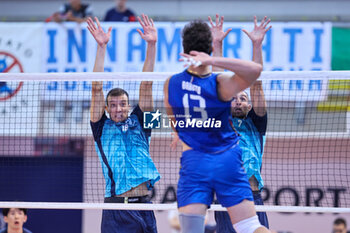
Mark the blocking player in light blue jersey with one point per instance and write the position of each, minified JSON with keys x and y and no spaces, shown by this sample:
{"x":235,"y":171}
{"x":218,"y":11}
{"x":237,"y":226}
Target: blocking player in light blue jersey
{"x":199,"y":104}
{"x":250,"y":121}
{"x":122,"y":143}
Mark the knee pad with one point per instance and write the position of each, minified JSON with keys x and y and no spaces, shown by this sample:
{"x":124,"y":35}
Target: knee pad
{"x":248,"y":225}
{"x":191,"y":223}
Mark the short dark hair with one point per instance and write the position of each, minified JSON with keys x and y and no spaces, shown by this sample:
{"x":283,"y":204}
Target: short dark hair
{"x":196,"y":36}
{"x":5,"y":211}
{"x":116,"y":92}
{"x":339,"y":221}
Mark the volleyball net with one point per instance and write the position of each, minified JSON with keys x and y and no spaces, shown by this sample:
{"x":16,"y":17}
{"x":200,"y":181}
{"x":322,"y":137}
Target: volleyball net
{"x":48,"y":154}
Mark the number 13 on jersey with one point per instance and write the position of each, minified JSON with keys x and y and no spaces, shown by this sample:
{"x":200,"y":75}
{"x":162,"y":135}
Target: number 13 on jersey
{"x":198,"y":108}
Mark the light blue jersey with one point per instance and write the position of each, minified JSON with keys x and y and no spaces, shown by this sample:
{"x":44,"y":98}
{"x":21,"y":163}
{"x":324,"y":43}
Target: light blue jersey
{"x":252,"y":130}
{"x":123,"y":149}
{"x":201,"y":117}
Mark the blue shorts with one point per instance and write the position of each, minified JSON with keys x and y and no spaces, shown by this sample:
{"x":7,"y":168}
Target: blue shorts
{"x":223,"y":221}
{"x":202,"y":174}
{"x":126,"y":221}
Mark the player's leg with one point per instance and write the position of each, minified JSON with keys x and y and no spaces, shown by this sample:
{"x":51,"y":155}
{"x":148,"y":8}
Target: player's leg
{"x":223,"y":222}
{"x":149,"y":221}
{"x":192,"y":218}
{"x":244,"y":218}
{"x":115,"y":221}
{"x":194,"y":192}
{"x":261,"y":215}
{"x":233,"y":191}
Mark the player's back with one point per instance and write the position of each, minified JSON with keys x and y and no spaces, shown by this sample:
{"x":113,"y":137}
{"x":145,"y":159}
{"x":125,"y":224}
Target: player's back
{"x":201,"y":117}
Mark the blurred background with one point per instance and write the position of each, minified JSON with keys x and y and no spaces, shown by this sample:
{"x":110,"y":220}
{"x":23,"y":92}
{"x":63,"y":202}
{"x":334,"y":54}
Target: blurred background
{"x":50,"y":155}
{"x":182,"y":10}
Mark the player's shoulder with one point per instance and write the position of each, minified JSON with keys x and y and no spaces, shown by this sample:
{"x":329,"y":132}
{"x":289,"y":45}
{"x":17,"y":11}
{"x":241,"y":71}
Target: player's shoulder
{"x":175,"y":78}
{"x":180,"y":74}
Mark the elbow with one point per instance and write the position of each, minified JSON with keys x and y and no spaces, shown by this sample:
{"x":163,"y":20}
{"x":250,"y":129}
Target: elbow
{"x":256,"y":71}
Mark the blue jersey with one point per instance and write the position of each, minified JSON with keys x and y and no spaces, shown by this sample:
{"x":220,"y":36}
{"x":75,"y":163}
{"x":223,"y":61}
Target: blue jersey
{"x":116,"y":16}
{"x":202,"y":119}
{"x":123,"y":149}
{"x":252,"y":130}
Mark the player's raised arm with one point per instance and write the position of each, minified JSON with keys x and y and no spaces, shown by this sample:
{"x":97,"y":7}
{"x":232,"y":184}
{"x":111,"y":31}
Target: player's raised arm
{"x":218,"y":36}
{"x":97,"y":99}
{"x":246,"y":72}
{"x":257,"y":37}
{"x":149,"y":34}
{"x":167,"y":105}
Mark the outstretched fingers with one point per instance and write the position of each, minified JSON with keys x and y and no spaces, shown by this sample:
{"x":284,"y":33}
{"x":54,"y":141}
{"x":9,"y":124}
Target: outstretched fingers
{"x":263,"y":21}
{"x":91,"y":24}
{"x":109,"y":31}
{"x":140,"y":32}
{"x":210,"y":21}
{"x":227,"y":32}
{"x":189,"y":59}
{"x":140,"y":21}
{"x":98,"y":22}
{"x":266,"y":24}
{"x":222,"y":20}
{"x":255,"y":21}
{"x":217,"y":20}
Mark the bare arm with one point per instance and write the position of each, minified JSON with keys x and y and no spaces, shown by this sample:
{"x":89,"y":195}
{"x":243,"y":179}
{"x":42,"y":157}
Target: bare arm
{"x":97,"y":107}
{"x":218,"y":36}
{"x":245,"y":75}
{"x":149,"y":34}
{"x":256,"y":90}
{"x":246,"y":72}
{"x":168,"y":107}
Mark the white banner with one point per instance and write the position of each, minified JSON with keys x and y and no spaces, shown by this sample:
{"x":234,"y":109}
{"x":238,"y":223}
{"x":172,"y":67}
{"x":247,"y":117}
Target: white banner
{"x":20,"y":51}
{"x":288,"y":46}
{"x":20,"y":47}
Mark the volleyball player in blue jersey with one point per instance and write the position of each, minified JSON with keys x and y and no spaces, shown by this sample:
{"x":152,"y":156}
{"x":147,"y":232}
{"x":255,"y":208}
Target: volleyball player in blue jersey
{"x":250,"y":121}
{"x":211,"y":160}
{"x":122,"y":143}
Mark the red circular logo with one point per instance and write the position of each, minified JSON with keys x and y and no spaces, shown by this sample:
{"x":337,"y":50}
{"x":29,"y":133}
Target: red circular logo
{"x":8,"y":64}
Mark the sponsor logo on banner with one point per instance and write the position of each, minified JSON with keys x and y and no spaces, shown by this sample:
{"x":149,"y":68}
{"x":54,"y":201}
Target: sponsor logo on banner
{"x":7,"y":63}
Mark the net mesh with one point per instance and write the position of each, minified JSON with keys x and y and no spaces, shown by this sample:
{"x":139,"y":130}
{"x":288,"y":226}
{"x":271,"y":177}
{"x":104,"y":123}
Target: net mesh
{"x":48,"y":153}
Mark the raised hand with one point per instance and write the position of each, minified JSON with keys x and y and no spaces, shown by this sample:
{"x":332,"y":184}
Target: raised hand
{"x":100,"y":36}
{"x":258,"y":33}
{"x":196,"y":59}
{"x":149,"y":33}
{"x":216,"y":29}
